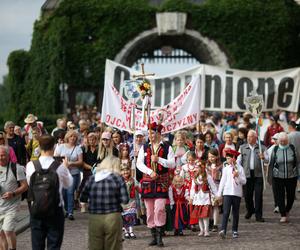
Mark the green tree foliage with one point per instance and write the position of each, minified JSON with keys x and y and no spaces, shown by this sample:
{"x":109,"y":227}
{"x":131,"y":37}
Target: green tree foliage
{"x":255,"y":35}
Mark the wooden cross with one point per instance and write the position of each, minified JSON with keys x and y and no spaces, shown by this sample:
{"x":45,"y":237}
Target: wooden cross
{"x":143,"y":75}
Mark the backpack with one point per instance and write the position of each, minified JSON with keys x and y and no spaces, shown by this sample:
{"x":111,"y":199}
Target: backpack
{"x":13,"y":167}
{"x":43,"y":192}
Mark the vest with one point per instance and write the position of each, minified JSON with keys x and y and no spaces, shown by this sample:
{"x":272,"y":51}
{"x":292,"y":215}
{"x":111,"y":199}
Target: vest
{"x":155,"y":188}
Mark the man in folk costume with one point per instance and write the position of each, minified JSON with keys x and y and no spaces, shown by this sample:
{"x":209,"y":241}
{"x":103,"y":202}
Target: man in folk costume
{"x":153,"y":161}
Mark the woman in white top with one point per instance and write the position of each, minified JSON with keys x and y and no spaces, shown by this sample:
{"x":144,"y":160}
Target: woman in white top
{"x":73,"y":155}
{"x":232,"y":180}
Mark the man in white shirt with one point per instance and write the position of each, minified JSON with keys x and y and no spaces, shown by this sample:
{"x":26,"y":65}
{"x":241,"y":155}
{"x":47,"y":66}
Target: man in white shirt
{"x":50,"y":228}
{"x":154,"y":160}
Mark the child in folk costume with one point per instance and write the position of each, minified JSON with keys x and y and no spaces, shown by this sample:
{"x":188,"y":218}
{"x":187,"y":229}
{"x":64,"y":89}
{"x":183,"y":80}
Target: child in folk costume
{"x":200,"y":196}
{"x":124,"y":155}
{"x":179,"y":147}
{"x":201,"y":150}
{"x":233,"y":178}
{"x":178,"y":195}
{"x":214,"y":169}
{"x":187,"y":173}
{"x":129,"y":210}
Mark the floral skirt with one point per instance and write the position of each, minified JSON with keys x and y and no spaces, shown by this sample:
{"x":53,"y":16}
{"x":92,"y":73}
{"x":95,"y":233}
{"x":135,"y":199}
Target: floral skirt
{"x":129,"y":218}
{"x":201,"y":211}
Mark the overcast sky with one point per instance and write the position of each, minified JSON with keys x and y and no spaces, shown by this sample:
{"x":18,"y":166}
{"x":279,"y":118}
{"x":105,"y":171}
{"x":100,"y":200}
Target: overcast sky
{"x":16,"y":27}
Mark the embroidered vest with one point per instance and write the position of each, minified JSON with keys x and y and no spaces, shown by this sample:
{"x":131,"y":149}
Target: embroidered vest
{"x":162,"y":152}
{"x":155,"y":188}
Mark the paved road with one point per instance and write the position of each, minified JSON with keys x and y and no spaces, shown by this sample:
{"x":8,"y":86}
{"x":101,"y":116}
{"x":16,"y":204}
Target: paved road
{"x":253,"y":235}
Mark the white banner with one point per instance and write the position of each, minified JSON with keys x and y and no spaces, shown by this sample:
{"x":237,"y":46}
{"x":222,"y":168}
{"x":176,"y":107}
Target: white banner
{"x":226,"y":89}
{"x":221,"y":89}
{"x":182,"y":112}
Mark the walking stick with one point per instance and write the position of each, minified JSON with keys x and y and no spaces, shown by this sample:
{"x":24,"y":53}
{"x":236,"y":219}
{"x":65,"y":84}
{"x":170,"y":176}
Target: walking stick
{"x":254,"y":105}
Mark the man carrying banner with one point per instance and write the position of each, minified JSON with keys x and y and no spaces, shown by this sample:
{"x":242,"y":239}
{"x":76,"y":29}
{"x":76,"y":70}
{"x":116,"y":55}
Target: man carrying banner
{"x":154,"y":159}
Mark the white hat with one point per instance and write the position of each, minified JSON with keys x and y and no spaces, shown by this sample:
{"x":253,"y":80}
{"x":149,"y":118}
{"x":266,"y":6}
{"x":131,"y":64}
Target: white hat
{"x":275,"y":137}
{"x":139,"y":132}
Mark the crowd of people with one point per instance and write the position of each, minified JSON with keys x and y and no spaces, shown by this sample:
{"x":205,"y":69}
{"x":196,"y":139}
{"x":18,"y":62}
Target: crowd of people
{"x":191,"y":179}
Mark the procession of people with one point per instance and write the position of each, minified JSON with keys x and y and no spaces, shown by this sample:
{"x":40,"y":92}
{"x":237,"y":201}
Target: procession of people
{"x":192,"y":179}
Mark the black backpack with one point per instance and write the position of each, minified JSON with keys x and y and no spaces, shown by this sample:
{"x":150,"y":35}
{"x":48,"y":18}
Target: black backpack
{"x":13,"y":167}
{"x":43,"y":192}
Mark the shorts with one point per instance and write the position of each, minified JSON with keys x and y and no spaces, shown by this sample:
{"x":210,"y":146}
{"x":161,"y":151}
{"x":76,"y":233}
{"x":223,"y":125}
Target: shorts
{"x":8,"y":221}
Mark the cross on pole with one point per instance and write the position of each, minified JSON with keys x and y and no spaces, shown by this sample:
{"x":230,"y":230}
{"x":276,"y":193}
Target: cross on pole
{"x":143,"y":75}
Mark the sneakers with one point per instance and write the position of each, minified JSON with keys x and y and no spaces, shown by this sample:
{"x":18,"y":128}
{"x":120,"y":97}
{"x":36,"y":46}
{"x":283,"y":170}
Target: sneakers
{"x":71,"y":217}
{"x":235,"y":235}
{"x":222,"y":234}
{"x":206,"y":234}
{"x":276,"y":210}
{"x":214,"y":228}
{"x":283,"y":220}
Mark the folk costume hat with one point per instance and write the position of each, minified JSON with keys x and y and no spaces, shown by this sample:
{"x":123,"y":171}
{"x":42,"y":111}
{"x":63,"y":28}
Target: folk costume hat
{"x":231,"y":152}
{"x":155,"y":127}
{"x":30,"y":118}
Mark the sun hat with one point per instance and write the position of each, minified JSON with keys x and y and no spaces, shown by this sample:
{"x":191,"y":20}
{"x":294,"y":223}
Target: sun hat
{"x":30,"y":118}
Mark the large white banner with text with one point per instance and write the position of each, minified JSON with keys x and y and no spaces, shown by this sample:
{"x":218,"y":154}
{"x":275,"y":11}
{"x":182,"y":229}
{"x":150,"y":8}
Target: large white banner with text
{"x":181,"y":112}
{"x":182,"y":95}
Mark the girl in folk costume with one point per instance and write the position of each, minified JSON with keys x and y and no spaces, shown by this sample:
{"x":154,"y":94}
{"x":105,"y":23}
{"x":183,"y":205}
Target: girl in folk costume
{"x":178,"y":195}
{"x":200,"y":196}
{"x":214,"y":169}
{"x":179,"y":147}
{"x":129,"y":210}
{"x":228,"y":138}
{"x":201,"y":150}
{"x":124,"y":155}
{"x":233,"y":177}
{"x":187,"y":173}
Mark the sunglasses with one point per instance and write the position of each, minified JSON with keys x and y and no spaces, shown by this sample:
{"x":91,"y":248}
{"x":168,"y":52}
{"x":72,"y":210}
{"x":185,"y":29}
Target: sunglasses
{"x":104,"y":139}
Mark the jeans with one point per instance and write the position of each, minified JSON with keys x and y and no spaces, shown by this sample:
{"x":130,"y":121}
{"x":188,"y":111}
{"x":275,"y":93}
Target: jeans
{"x":50,"y":229}
{"x":69,"y":194}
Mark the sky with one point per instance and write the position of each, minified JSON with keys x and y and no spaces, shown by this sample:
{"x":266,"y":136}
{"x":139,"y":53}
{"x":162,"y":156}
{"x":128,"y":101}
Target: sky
{"x":16,"y":27}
